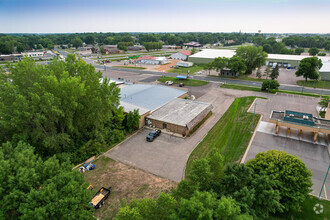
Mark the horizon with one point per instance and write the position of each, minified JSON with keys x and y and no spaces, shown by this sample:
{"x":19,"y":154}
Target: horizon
{"x":160,"y":16}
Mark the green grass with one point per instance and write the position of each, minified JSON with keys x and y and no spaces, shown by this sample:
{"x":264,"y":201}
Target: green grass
{"x":230,"y":135}
{"x":194,"y":82}
{"x":184,"y":70}
{"x":130,"y":67}
{"x":241,"y":77}
{"x":314,"y":84}
{"x":307,"y":212}
{"x":257,"y":89}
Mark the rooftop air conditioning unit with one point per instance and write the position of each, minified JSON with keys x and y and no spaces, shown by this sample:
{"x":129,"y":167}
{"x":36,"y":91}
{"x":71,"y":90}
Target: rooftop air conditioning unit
{"x":305,"y":117}
{"x":291,"y":115}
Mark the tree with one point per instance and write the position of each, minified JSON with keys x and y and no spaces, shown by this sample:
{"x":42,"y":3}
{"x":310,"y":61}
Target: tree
{"x":20,"y":48}
{"x":267,"y":71}
{"x":208,"y":67}
{"x":50,"y":46}
{"x":219,"y":63}
{"x":308,"y":68}
{"x":236,"y":65}
{"x":267,"y":48}
{"x":132,"y":120}
{"x":76,"y":42}
{"x":127,"y":213}
{"x":299,"y":50}
{"x":275,"y":73}
{"x":89,"y":39}
{"x":254,"y":57}
{"x":253,"y":192}
{"x":54,"y":107}
{"x":102,"y":50}
{"x":269,"y":84}
{"x":193,"y":51}
{"x":290,"y":175}
{"x":313,"y":51}
{"x":258,"y":74}
{"x":324,"y":102}
{"x":32,"y":188}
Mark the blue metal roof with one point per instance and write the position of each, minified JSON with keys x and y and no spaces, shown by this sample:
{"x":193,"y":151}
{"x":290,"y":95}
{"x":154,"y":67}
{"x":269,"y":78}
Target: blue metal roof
{"x":181,"y":77}
{"x":149,"y":96}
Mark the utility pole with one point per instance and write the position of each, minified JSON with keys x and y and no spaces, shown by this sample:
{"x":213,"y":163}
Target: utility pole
{"x":326,"y":175}
{"x":254,"y":113}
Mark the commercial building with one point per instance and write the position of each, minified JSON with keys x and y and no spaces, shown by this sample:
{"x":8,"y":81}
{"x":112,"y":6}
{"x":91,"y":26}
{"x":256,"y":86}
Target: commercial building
{"x":34,"y":54}
{"x":182,"y":55}
{"x":192,"y":44}
{"x":171,"y":47}
{"x":283,"y":60}
{"x":325,"y":71}
{"x":147,"y":98}
{"x":10,"y":57}
{"x":179,"y":115}
{"x":184,"y":64}
{"x":152,"y":60}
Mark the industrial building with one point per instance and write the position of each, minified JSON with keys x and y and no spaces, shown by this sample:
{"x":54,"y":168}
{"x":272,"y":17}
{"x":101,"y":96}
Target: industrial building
{"x":147,"y":98}
{"x":182,"y":55}
{"x":184,"y":64}
{"x":34,"y":54}
{"x":152,"y":60}
{"x":325,"y":71}
{"x":11,"y":57}
{"x":179,"y":115}
{"x":208,"y":55}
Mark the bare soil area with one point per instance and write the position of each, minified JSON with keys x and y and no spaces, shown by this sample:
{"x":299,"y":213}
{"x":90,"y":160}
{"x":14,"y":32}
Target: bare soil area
{"x":166,"y":67}
{"x":127,"y":183}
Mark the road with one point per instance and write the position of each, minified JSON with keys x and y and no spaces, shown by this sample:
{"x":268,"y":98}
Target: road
{"x":211,"y":79}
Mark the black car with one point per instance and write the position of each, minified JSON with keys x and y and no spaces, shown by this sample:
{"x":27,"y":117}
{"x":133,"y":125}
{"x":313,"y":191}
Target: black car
{"x":152,"y":135}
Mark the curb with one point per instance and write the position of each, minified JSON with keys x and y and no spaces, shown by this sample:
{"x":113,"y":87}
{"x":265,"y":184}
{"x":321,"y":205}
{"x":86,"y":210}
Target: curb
{"x":251,"y":140}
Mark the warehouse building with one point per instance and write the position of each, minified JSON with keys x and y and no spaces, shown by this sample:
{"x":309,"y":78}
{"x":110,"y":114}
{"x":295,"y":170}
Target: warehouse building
{"x":152,"y":60}
{"x":325,"y":71}
{"x":182,"y":55}
{"x":283,"y":60}
{"x":179,"y":115}
{"x":147,"y":98}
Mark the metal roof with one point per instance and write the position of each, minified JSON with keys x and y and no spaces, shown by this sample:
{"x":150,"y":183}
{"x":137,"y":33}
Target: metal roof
{"x":182,"y":112}
{"x":150,"y":97}
{"x":128,"y":107}
{"x":325,"y":67}
{"x":214,"y":53}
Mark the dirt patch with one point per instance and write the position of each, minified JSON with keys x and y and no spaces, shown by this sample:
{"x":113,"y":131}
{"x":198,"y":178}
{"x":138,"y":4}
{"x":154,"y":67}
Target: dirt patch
{"x":127,"y":183}
{"x":165,"y":67}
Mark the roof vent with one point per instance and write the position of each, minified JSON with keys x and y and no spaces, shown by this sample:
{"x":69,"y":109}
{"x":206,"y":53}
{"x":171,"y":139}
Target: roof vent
{"x":305,"y":117}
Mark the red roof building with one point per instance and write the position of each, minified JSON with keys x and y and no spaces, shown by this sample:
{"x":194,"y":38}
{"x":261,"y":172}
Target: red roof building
{"x":186,"y":52}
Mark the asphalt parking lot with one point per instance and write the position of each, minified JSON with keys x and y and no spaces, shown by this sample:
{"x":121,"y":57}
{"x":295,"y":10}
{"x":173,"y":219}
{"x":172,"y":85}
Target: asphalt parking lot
{"x":162,"y":157}
{"x":315,"y":156}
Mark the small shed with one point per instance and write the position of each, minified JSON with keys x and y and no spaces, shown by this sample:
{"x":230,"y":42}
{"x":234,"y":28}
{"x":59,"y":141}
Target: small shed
{"x":184,"y":64}
{"x":325,"y":71}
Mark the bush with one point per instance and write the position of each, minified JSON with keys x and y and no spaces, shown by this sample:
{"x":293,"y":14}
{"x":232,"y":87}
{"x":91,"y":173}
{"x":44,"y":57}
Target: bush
{"x":322,"y":54}
{"x":269,"y":84}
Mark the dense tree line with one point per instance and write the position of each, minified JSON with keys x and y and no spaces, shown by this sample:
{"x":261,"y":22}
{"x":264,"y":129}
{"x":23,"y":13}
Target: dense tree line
{"x":153,"y":45}
{"x":60,"y":109}
{"x":19,"y":42}
{"x":272,"y":182}
{"x":124,"y":45}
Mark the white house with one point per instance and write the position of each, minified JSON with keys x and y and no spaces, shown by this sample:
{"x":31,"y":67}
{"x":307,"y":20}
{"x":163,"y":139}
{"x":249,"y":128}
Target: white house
{"x":182,"y":55}
{"x":152,"y":60}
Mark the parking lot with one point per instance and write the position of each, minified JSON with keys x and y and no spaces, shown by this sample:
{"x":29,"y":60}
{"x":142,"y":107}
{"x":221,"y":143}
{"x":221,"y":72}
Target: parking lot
{"x":315,"y":156}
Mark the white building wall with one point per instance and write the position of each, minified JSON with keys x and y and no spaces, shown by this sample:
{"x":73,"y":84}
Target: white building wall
{"x":179,"y":56}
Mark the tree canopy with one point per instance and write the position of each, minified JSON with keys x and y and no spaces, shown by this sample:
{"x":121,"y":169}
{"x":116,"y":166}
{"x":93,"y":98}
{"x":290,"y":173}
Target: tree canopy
{"x":289,"y":174}
{"x":308,"y":68}
{"x":61,"y":108}
{"x":275,"y":72}
{"x":254,"y":57}
{"x":32,"y":188}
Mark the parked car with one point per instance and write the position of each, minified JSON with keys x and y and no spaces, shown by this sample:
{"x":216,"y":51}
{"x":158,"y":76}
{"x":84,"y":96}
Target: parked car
{"x":199,"y":72}
{"x":168,"y":83}
{"x":152,"y":135}
{"x":181,"y":85}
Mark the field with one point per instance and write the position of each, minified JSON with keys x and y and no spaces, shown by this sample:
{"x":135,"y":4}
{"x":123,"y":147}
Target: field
{"x":184,"y":70}
{"x":230,"y":135}
{"x":126,"y":182}
{"x":130,"y":67}
{"x":314,"y":84}
{"x":194,"y":82}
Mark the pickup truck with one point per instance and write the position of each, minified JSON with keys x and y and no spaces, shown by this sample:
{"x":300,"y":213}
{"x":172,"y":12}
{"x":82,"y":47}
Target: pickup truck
{"x":100,"y":197}
{"x":86,"y":167}
{"x":152,"y":135}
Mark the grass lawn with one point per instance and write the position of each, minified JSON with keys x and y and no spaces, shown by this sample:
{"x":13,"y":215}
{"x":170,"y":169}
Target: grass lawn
{"x":184,"y":70}
{"x":314,"y":84}
{"x":130,"y":67}
{"x":307,"y":212}
{"x":241,"y":77}
{"x":194,"y":82}
{"x":230,"y":135}
{"x":126,"y":182}
{"x":257,"y":89}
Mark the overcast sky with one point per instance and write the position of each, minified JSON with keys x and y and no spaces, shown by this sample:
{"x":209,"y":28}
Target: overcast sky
{"x":69,"y":16}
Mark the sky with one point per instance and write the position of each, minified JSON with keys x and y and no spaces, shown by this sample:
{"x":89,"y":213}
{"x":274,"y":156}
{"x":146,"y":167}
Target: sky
{"x":72,"y":16}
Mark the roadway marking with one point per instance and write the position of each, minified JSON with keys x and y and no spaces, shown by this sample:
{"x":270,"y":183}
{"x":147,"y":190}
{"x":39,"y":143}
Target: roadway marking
{"x":325,"y":191}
